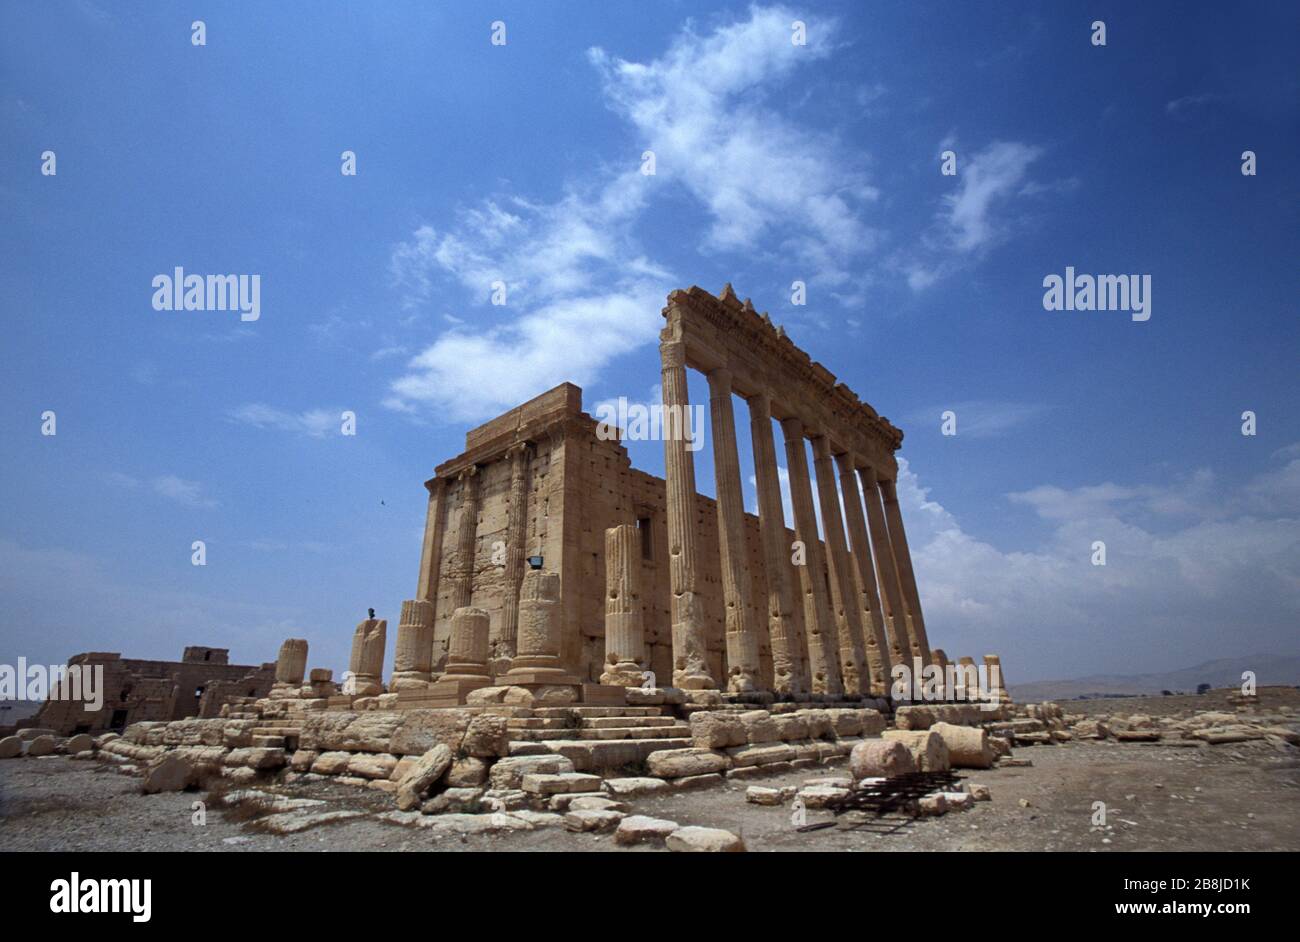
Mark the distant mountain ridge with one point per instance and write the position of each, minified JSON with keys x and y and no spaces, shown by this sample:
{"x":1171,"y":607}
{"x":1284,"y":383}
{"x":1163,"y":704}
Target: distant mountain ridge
{"x":1225,"y":672}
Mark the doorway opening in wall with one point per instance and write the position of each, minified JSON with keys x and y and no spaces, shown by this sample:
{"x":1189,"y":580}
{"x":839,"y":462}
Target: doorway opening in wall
{"x":643,"y":528}
{"x":119,"y":720}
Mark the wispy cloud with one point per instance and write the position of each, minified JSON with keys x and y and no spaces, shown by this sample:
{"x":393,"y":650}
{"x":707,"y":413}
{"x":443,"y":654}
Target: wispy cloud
{"x":189,"y":493}
{"x":1181,"y":109}
{"x":316,"y":423}
{"x":981,"y":418}
{"x":971,"y":220}
{"x":759,"y":177}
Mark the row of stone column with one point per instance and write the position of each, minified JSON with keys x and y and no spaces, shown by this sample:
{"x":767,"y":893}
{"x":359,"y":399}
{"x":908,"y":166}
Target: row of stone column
{"x":853,"y":633}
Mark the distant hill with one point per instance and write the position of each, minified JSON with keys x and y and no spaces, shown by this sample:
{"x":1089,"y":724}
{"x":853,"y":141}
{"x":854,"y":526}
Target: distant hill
{"x":1225,"y":672}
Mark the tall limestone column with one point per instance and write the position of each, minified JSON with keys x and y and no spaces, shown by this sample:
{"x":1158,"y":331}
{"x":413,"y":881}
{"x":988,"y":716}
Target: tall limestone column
{"x":742,"y":633}
{"x":823,"y":664}
{"x":538,"y":662}
{"x":873,"y":622}
{"x":906,"y":578}
{"x":788,"y":671}
{"x":624,"y":622}
{"x":502,"y":644}
{"x":844,"y":596}
{"x":367,"y":663}
{"x":900,"y":642}
{"x":435,"y":522}
{"x":690,"y":652}
{"x":466,"y":534}
{"x":413,"y":659}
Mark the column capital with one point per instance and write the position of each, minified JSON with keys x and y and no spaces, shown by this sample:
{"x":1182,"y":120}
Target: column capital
{"x":672,"y":353}
{"x":467,"y":473}
{"x":846,"y":461}
{"x":719,"y":381}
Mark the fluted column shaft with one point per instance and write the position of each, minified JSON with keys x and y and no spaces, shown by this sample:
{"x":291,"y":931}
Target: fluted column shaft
{"x":788,"y":669}
{"x":431,"y":552}
{"x":466,"y":535}
{"x":737,"y":595}
{"x":873,"y":622}
{"x":823,"y":664}
{"x":624,"y":622}
{"x":844,"y":596}
{"x":906,"y":577}
{"x":502,"y":644}
{"x":690,"y":653}
{"x":900,"y":643}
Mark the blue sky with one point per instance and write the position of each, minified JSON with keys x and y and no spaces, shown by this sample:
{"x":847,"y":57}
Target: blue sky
{"x":521,"y":162}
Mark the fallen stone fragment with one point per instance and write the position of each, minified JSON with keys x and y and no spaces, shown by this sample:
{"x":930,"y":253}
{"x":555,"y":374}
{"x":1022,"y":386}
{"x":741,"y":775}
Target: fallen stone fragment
{"x":819,"y":796}
{"x":958,"y":801}
{"x":173,"y":772}
{"x":704,"y":840}
{"x":11,"y":747}
{"x":291,"y":822}
{"x":592,"y":820}
{"x":758,"y":795}
{"x":640,"y":829}
{"x":597,"y":803}
{"x":427,"y":771}
{"x":881,"y":758}
{"x":42,"y":746}
{"x":540,"y":784}
{"x":633,"y":787}
{"x":932,"y":805}
{"x":980,"y":792}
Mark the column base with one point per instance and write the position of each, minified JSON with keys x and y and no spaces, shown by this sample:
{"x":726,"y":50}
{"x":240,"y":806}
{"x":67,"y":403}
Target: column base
{"x":458,"y":686}
{"x":626,"y":674}
{"x":689,"y":681}
{"x":411,"y":680}
{"x":539,"y":677}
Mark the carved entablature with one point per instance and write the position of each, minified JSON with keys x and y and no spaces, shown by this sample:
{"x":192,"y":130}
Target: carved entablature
{"x":724,"y":332}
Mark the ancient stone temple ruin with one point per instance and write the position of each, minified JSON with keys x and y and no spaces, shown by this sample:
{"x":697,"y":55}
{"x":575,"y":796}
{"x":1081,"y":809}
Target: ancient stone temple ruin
{"x":583,"y":631}
{"x":640,"y":576}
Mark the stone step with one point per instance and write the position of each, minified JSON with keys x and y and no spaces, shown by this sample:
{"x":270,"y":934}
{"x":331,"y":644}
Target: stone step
{"x":636,"y":732}
{"x":608,"y":722}
{"x":541,"y":735}
{"x":585,"y":711}
{"x":589,"y":755}
{"x":268,"y":742}
{"x":538,"y":722}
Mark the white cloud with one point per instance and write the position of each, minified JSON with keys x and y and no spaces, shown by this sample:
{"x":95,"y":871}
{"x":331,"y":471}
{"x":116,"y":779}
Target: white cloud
{"x":315,"y":423}
{"x":1195,"y":570}
{"x":970,"y":222}
{"x":189,"y":493}
{"x":701,"y":108}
